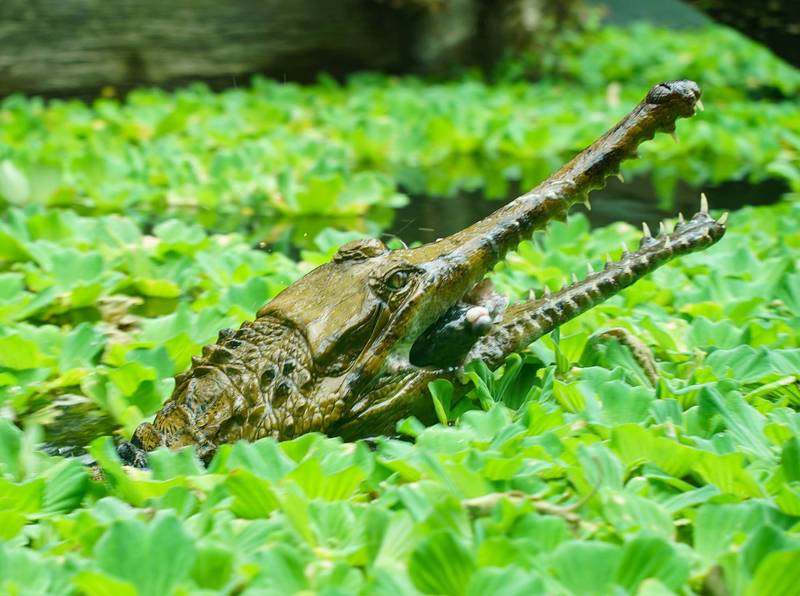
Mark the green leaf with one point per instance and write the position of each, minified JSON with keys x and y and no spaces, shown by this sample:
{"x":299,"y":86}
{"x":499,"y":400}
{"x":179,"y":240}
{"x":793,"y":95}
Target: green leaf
{"x":100,"y":584}
{"x":337,"y":528}
{"x":548,"y":531}
{"x":264,"y":458}
{"x":80,"y":347}
{"x":283,"y":570}
{"x":11,"y":249}
{"x":690,"y":498}
{"x":744,"y":423}
{"x":623,"y":403}
{"x":388,"y":582}
{"x":586,"y":567}
{"x":637,"y":445}
{"x":727,"y":472}
{"x":167,"y":464}
{"x":10,"y":450}
{"x":23,"y":571}
{"x":748,"y":364}
{"x":130,"y":376}
{"x":763,"y":541}
{"x":179,"y":236}
{"x":630,"y":513}
{"x":19,"y":353}
{"x":509,"y":581}
{"x":213,"y":566}
{"x":788,"y":498}
{"x":11,"y":522}
{"x":162,"y":548}
{"x":14,"y":186}
{"x":441,"y":564}
{"x":251,"y":295}
{"x":317,"y":484}
{"x":651,"y":557}
{"x":790,"y":460}
{"x":399,"y":539}
{"x":441,"y":391}
{"x":254,"y":497}
{"x":67,"y":484}
{"x":157,"y":288}
{"x":714,"y":334}
{"x":718,"y":527}
{"x":569,"y":396}
{"x":777,"y":575}
{"x":21,"y":497}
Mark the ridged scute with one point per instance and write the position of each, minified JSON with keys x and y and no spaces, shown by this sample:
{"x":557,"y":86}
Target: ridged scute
{"x":249,"y":385}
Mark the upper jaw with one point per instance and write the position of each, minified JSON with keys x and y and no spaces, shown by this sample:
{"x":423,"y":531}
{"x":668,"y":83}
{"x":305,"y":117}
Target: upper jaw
{"x":454,"y":265}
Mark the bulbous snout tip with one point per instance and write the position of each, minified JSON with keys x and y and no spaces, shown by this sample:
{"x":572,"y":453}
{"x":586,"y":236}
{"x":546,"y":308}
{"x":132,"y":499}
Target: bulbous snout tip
{"x":671,"y":91}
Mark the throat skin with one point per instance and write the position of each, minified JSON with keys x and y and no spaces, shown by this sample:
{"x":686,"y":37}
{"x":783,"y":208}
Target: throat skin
{"x":331,"y":353}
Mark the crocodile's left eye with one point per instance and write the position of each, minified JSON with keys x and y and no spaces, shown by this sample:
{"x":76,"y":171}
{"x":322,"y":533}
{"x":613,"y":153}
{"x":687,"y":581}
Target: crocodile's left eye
{"x":397,"y":280}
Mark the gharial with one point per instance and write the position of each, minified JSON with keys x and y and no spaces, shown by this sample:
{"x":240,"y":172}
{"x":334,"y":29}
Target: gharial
{"x":351,"y":347}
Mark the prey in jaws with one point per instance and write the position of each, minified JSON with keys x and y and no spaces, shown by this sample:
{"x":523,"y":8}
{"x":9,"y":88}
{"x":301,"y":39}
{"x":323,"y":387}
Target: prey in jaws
{"x":350,"y":348}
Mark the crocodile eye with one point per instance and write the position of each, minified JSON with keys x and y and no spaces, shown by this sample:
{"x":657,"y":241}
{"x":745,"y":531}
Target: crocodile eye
{"x":397,"y":280}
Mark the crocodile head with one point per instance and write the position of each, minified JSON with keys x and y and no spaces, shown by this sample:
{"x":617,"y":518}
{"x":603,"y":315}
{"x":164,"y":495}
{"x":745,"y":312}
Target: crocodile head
{"x":350,"y":348}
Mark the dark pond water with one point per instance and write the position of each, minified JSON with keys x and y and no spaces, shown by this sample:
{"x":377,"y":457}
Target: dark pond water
{"x":426,"y":218}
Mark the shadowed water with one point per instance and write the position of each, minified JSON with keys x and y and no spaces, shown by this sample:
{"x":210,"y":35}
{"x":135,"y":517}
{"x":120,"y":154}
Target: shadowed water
{"x":425,"y":219}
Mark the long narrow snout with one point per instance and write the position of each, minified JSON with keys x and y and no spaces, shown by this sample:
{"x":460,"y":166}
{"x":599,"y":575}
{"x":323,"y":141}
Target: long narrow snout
{"x":456,"y":263}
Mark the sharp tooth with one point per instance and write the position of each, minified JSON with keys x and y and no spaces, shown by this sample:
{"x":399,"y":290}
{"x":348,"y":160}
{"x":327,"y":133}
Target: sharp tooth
{"x":587,"y":204}
{"x":723,"y":219}
{"x":546,"y":291}
{"x":624,"y":248}
{"x":574,"y":278}
{"x":674,"y":136}
{"x":646,"y":230}
{"x":703,"y":203}
{"x":619,"y":176}
{"x":532,"y":295}
{"x":700,"y":106}
{"x":662,"y":229}
{"x":681,"y":220}
{"x":589,"y":268}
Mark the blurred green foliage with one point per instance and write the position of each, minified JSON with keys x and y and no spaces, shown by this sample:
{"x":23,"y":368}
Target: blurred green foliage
{"x":277,"y":149}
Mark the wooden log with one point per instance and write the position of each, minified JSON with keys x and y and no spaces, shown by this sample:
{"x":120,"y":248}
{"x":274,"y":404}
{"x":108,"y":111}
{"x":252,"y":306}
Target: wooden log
{"x":64,"y":46}
{"x":78,"y":47}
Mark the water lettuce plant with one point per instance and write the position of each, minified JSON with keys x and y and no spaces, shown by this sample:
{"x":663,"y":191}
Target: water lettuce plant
{"x":650,"y":446}
{"x":237,"y":158}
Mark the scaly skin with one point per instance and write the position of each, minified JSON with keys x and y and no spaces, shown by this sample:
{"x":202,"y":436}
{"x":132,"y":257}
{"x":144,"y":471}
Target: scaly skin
{"x":332,"y":352}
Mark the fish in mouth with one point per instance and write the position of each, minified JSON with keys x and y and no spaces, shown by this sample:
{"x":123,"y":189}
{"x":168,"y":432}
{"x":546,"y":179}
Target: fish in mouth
{"x":350,"y":348}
